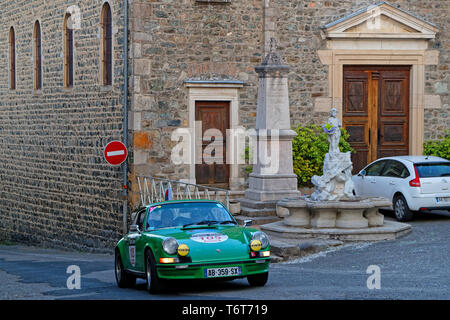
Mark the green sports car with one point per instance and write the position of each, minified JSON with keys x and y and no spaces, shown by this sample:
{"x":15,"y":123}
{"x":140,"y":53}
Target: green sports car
{"x":189,"y":239}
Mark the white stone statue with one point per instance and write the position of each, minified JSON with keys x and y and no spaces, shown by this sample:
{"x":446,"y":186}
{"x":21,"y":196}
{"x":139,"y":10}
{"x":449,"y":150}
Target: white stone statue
{"x":336,"y":182}
{"x":335,"y":134}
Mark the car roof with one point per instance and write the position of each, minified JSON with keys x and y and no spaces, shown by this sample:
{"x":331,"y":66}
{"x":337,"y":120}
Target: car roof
{"x":417,"y":159}
{"x":184,"y":200}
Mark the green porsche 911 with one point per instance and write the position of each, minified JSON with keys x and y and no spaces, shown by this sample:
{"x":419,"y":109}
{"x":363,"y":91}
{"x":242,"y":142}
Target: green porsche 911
{"x":190,"y":239}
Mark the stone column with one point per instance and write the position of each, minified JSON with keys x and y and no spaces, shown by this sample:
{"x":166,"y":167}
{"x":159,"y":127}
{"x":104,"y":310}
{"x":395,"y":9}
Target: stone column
{"x":273,"y":177}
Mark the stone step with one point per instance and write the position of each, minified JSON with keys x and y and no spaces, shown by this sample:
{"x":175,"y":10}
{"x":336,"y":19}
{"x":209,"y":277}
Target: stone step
{"x":284,"y":249}
{"x":288,"y":250}
{"x":257,"y":204}
{"x":257,"y":212}
{"x":257,"y":221}
{"x":275,"y":258}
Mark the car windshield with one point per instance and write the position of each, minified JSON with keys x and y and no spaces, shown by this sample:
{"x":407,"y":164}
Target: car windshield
{"x":181,"y":214}
{"x":431,"y":170}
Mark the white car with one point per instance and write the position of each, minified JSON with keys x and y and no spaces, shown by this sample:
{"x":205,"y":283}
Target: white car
{"x":412,"y":183}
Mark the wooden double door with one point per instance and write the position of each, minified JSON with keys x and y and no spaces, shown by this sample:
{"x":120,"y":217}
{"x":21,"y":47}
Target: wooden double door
{"x":376,"y":111}
{"x":212,"y":145}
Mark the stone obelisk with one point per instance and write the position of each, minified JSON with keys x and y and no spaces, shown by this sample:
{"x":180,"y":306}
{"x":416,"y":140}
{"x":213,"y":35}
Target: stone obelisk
{"x":273,"y":177}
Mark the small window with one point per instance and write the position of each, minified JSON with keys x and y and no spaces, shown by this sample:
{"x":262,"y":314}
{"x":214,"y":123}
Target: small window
{"x":68,"y":51}
{"x":375,"y":168}
{"x":12,"y":59}
{"x":37,"y":56}
{"x":106,"y":45}
{"x":395,"y":169}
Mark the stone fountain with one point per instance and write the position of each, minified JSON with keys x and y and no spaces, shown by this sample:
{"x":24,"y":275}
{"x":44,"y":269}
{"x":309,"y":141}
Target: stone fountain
{"x":333,"y":211}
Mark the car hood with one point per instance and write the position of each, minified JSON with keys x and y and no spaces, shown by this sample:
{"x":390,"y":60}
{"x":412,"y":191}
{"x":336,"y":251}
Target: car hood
{"x":213,"y":243}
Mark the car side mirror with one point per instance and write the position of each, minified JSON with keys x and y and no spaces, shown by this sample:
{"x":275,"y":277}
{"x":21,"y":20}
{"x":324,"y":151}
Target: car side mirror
{"x":362,"y":173}
{"x":247,"y":223}
{"x":134,"y":228}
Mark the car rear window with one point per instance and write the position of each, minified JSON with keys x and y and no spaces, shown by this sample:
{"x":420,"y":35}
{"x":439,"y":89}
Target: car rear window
{"x":431,"y":170}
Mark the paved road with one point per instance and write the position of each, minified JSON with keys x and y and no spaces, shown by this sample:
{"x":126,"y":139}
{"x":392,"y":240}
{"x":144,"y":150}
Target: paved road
{"x":416,"y":266}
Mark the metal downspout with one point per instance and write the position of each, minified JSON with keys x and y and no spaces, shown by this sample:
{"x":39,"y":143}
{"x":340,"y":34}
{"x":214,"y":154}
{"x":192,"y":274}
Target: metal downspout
{"x":125,"y":114}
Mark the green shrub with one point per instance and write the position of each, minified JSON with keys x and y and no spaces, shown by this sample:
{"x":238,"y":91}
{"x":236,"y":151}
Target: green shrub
{"x":247,"y":156}
{"x":309,"y":149}
{"x":438,"y":148}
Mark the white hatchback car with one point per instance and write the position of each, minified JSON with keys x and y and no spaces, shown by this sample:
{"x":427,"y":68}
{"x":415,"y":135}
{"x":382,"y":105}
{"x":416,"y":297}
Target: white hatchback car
{"x":412,"y":183}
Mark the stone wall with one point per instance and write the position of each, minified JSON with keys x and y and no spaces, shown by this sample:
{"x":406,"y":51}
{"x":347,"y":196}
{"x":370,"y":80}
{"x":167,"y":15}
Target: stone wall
{"x":56,"y":188}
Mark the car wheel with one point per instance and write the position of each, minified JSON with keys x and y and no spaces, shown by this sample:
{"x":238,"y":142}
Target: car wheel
{"x":258,"y":280}
{"x":153,"y":282}
{"x":401,"y":209}
{"x":123,"y":279}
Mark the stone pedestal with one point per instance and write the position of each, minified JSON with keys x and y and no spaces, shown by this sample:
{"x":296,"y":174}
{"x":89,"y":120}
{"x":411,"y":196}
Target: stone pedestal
{"x":323,"y":218}
{"x":351,"y":218}
{"x":294,"y":212}
{"x":335,"y":183}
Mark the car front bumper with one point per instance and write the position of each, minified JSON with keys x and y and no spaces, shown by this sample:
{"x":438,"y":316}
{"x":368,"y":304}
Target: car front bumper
{"x":197,"y":270}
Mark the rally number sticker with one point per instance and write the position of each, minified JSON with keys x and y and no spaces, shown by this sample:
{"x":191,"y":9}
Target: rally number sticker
{"x":209,"y":237}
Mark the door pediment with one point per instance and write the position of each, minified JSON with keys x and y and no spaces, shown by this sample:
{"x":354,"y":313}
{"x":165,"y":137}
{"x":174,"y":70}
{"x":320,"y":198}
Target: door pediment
{"x":380,"y":21}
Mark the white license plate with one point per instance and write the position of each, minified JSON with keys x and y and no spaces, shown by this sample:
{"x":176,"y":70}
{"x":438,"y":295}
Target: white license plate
{"x":442,"y":199}
{"x":222,"y":272}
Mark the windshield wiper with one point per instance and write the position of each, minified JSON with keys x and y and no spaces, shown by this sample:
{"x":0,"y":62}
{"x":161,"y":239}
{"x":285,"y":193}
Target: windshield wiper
{"x":445,"y":174}
{"x":228,"y":221}
{"x":208,"y":222}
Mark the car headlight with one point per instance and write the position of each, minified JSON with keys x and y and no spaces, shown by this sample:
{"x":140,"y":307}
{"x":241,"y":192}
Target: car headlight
{"x":262,"y":237}
{"x":170,"y":245}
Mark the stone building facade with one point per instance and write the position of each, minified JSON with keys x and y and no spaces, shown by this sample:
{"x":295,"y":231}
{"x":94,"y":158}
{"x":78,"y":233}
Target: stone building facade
{"x":56,"y":188}
{"x":192,"y":60}
{"x":188,"y":51}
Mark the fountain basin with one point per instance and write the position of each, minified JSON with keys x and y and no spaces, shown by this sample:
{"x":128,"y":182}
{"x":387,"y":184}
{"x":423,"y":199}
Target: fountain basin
{"x":347,"y":214}
{"x":355,"y":219}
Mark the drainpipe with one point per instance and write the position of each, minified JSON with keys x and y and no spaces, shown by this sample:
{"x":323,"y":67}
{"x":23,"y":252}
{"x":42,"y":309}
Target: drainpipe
{"x":125,"y":113}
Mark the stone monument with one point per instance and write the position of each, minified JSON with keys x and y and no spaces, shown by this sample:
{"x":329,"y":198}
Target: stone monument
{"x":273,"y":177}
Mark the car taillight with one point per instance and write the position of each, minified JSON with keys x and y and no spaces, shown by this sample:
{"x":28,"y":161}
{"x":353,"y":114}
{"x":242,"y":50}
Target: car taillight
{"x":416,"y":181}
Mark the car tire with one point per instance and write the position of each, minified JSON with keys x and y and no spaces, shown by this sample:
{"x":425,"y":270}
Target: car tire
{"x":153,"y":282}
{"x":401,"y":209}
{"x":123,"y":279}
{"x":258,"y":280}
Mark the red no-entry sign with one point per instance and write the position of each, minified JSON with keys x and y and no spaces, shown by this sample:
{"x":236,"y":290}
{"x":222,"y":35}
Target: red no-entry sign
{"x":115,"y":153}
